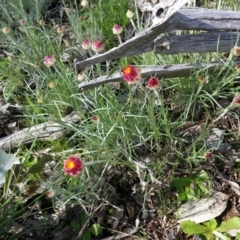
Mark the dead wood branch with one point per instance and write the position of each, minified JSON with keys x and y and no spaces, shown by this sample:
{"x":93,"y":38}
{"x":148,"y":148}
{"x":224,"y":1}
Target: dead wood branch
{"x":184,"y":19}
{"x":41,"y":132}
{"x":171,"y":71}
{"x":197,"y":43}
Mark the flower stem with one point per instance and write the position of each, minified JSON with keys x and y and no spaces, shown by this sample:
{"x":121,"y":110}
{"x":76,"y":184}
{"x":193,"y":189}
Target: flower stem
{"x":132,"y":22}
{"x":119,"y":38}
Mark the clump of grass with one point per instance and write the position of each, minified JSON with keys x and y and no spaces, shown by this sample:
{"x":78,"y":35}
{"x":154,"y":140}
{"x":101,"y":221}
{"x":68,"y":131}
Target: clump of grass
{"x":120,"y":125}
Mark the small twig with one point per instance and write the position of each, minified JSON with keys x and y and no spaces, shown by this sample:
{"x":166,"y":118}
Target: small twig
{"x":85,"y":225}
{"x":153,"y":179}
{"x":122,"y":235}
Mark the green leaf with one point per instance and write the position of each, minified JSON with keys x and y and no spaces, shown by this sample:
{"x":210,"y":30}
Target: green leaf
{"x":238,"y":236}
{"x":212,"y":224}
{"x":95,"y":229}
{"x":83,"y":217}
{"x":190,"y":227}
{"x":204,"y":189}
{"x":221,"y":236}
{"x":180,"y":183}
{"x":86,"y":236}
{"x":203,"y":175}
{"x":208,"y":236}
{"x":232,"y":223}
{"x":6,"y":163}
{"x":190,"y":196}
{"x":76,"y":225}
{"x":39,"y":166}
{"x":182,"y":196}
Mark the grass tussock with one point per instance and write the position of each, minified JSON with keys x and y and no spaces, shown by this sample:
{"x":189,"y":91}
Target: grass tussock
{"x":138,"y":151}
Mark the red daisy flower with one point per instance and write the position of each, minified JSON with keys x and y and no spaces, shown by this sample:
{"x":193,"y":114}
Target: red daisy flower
{"x":131,"y":74}
{"x":73,"y":166}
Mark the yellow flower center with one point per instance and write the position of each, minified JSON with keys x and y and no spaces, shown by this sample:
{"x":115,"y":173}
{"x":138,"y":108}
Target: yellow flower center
{"x":70,"y":164}
{"x":127,"y":70}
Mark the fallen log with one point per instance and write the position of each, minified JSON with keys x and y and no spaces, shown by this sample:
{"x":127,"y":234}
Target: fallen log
{"x":200,"y":43}
{"x":185,"y":19}
{"x":171,"y":71}
{"x":41,"y":132}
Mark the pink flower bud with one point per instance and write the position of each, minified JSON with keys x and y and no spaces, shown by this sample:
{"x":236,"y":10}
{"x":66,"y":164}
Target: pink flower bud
{"x":237,"y":67}
{"x":97,"y":46}
{"x":237,"y":100}
{"x":50,"y":193}
{"x":208,"y":155}
{"x":153,"y":83}
{"x":117,"y":29}
{"x":96,"y":119}
{"x":49,"y":61}
{"x":22,"y":22}
{"x":236,"y":51}
{"x":81,"y":76}
{"x":86,"y":44}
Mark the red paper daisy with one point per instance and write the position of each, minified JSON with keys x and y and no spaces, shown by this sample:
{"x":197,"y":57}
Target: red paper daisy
{"x":73,"y":166}
{"x":131,"y":74}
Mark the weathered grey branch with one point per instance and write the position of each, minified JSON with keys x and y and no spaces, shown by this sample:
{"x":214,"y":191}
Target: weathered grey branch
{"x":42,"y":132}
{"x":203,"y":42}
{"x":171,"y":71}
{"x":184,"y":19}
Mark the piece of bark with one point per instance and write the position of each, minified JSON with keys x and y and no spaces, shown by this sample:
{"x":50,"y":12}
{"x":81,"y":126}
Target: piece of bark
{"x":43,"y":132}
{"x":171,"y":71}
{"x":197,"y":43}
{"x":184,"y":19}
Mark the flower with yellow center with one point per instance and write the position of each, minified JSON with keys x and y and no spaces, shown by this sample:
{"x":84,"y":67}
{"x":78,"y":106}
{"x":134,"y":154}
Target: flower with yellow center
{"x":73,"y":166}
{"x":131,"y":74}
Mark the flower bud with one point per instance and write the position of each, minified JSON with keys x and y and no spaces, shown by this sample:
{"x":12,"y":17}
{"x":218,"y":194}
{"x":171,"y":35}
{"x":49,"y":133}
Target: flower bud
{"x":153,"y":83}
{"x":49,"y":61}
{"x":97,"y":46}
{"x":117,"y":29}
